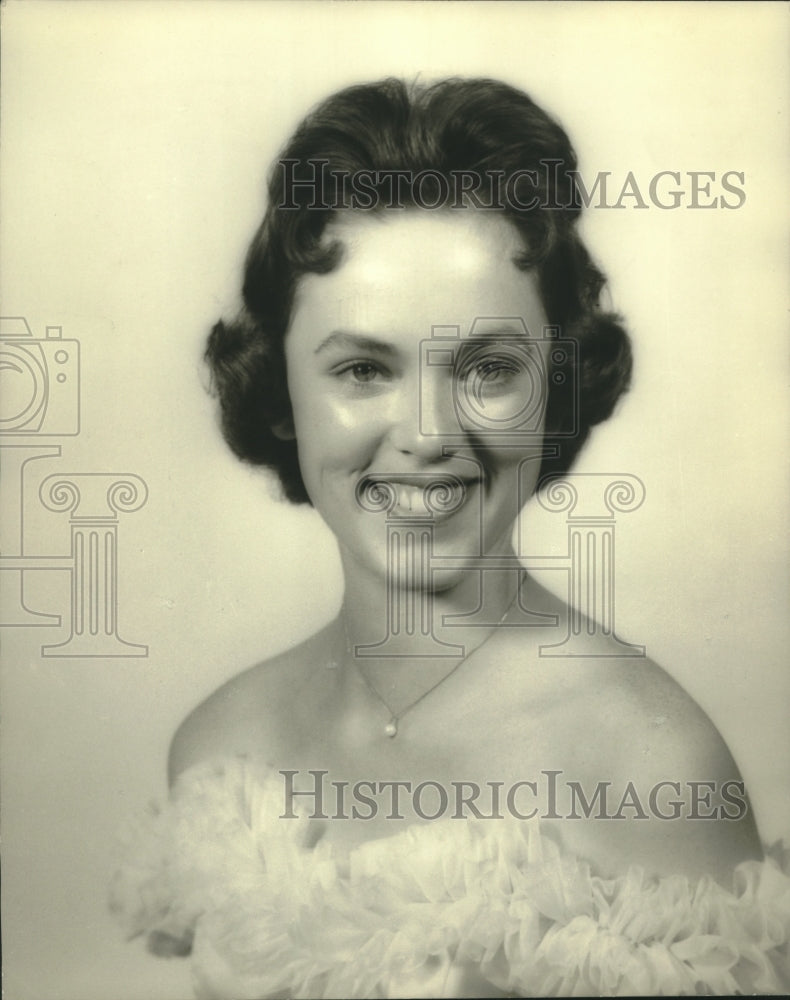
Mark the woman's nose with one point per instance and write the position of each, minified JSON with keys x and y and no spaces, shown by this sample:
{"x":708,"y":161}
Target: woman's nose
{"x":427,"y":423}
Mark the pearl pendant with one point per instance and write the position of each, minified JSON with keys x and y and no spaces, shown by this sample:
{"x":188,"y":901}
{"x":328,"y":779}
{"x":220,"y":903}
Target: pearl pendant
{"x":391,"y":729}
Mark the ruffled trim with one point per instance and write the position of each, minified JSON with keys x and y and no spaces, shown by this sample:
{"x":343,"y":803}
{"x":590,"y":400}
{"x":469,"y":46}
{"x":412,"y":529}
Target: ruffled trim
{"x":429,"y":911}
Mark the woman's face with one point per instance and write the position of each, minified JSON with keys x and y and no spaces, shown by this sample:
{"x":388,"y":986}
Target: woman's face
{"x":420,"y":356}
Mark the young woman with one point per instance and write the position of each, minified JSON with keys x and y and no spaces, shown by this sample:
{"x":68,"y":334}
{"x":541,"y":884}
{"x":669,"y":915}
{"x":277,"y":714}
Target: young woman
{"x":424,"y":798}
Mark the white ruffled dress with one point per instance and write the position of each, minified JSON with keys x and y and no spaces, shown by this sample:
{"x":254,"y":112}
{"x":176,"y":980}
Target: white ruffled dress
{"x":443,"y":909}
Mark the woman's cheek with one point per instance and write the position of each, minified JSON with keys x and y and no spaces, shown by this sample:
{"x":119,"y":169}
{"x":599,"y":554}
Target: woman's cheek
{"x":355,"y":424}
{"x":337,"y":436}
{"x":345,"y":414}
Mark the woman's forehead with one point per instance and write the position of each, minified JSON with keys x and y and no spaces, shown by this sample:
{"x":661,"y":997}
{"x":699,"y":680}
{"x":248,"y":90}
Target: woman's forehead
{"x":412,"y":270}
{"x":468,"y":237}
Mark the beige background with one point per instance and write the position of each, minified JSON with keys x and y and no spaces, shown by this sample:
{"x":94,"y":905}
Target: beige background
{"x":135,"y":137}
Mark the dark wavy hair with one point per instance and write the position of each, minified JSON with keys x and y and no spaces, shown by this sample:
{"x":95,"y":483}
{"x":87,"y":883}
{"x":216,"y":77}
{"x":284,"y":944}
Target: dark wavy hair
{"x":475,"y":125}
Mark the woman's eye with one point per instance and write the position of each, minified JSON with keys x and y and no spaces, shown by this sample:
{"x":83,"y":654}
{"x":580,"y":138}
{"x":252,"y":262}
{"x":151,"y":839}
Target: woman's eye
{"x":495,"y":367}
{"x":364,"y":372}
{"x":487,"y":370}
{"x":360,"y":372}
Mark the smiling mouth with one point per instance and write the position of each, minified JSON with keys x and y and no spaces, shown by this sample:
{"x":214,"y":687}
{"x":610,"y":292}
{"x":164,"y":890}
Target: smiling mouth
{"x":418,"y":494}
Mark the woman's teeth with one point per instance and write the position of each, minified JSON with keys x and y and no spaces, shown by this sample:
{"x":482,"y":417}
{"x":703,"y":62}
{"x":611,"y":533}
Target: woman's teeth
{"x":435,"y":499}
{"x":410,"y":498}
{"x":416,"y":495}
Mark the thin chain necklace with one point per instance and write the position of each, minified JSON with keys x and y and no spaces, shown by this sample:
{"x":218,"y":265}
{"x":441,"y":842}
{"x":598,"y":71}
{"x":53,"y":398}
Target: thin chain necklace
{"x":391,"y":728}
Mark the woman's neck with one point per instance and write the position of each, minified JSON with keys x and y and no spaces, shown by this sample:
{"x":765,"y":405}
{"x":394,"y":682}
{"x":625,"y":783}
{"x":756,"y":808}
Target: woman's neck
{"x":402,"y":639}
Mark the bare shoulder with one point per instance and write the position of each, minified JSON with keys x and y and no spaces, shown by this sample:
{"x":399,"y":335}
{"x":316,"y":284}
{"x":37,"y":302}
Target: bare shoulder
{"x":677,"y":801}
{"x":659,"y":723}
{"x":244,"y":715}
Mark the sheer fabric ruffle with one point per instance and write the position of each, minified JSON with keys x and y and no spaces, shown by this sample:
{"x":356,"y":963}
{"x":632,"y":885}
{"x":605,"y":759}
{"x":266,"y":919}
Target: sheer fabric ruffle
{"x":445,"y":909}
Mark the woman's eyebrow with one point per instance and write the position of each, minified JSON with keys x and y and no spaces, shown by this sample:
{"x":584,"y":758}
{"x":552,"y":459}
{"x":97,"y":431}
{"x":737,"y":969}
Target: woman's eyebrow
{"x":504,"y":331}
{"x":360,"y":342}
